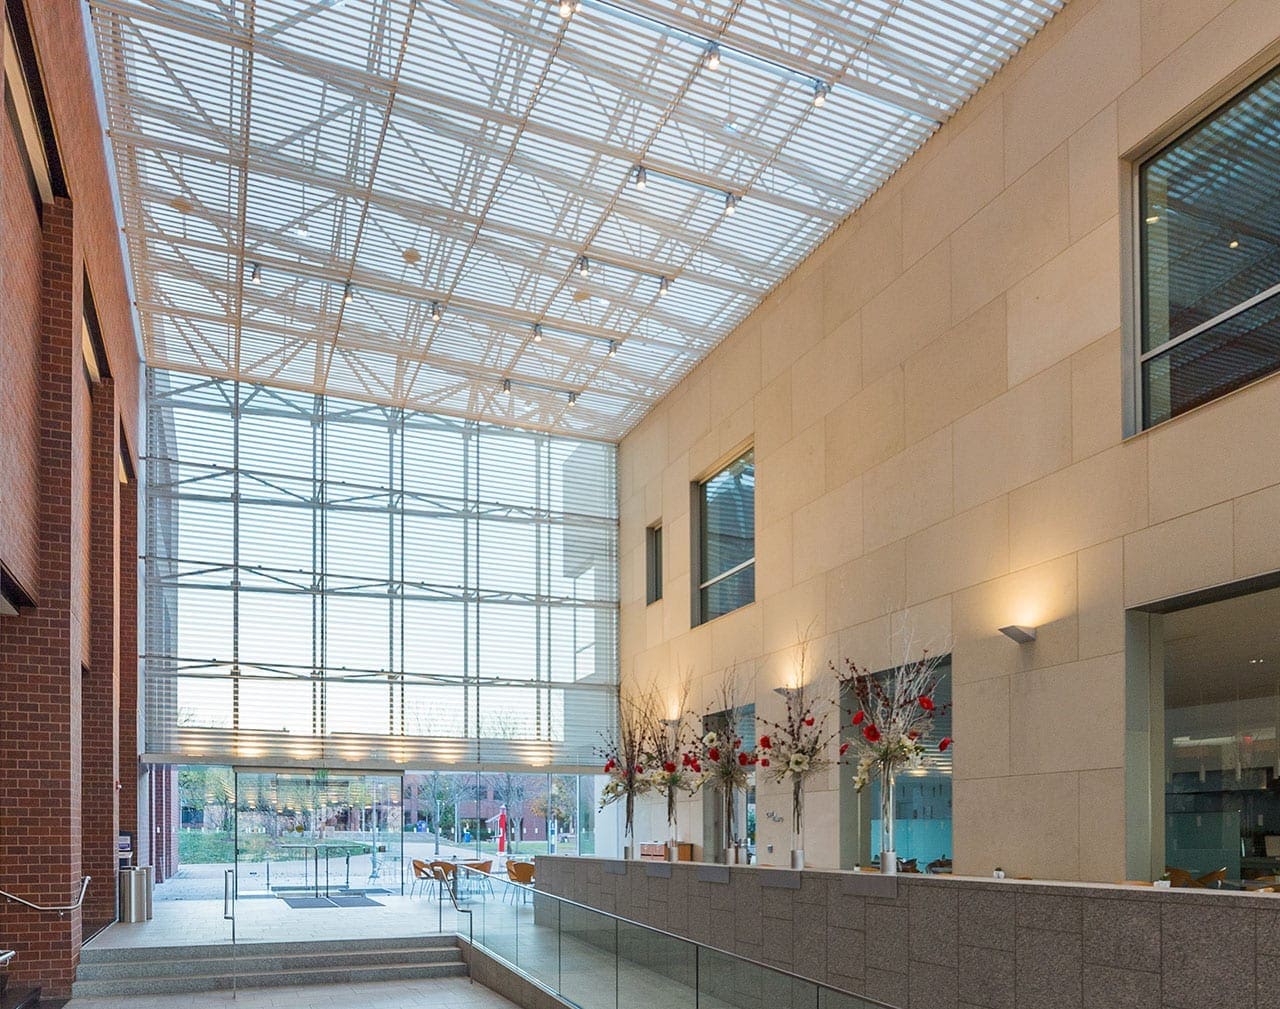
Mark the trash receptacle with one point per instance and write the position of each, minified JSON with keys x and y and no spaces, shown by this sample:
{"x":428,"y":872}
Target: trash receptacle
{"x":149,"y":889}
{"x":133,"y":895}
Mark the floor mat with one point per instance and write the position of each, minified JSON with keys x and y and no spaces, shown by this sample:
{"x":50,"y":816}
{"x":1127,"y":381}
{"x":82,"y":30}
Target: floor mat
{"x":356,"y":901}
{"x":306,"y":902}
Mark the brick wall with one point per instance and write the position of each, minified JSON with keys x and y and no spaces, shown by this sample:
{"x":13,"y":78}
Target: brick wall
{"x":19,"y":364}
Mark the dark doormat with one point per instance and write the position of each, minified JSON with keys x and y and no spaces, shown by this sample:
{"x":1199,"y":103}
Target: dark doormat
{"x":307,"y":902}
{"x":356,"y":901}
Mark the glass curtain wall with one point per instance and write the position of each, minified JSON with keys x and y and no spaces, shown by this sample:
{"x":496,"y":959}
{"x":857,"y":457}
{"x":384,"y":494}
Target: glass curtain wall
{"x":357,"y":585}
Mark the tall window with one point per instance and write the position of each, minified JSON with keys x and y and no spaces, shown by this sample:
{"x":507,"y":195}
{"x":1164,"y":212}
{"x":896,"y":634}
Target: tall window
{"x":653,"y":563}
{"x":342,"y":581}
{"x":726,"y":555}
{"x":1209,"y":221}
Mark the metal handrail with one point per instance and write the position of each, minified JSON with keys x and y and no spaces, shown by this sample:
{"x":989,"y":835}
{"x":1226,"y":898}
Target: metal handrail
{"x":62,"y":909}
{"x":6,"y":955}
{"x":692,"y":942}
{"x":445,"y":883}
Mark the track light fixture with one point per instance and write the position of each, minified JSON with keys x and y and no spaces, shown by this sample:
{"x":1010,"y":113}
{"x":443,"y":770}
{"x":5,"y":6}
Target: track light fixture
{"x":537,"y":332}
{"x":664,"y":285}
{"x":613,"y":349}
{"x":568,"y":8}
{"x":506,"y":385}
{"x":639,"y":177}
{"x":255,"y":275}
{"x":730,"y":204}
{"x":573,"y":399}
{"x":584,"y":266}
{"x":436,"y":311}
{"x":711,"y":60}
{"x":347,"y":294}
{"x":820,"y":92}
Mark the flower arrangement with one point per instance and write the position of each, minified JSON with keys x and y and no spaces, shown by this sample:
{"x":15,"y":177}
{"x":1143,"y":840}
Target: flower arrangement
{"x":674,"y":769}
{"x":624,"y":755}
{"x":728,"y":763}
{"x":795,"y":748}
{"x":894,"y":714}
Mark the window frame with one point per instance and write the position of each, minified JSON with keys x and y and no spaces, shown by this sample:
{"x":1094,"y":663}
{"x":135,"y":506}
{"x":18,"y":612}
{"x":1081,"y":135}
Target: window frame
{"x":697,"y":507}
{"x":1133,"y":287}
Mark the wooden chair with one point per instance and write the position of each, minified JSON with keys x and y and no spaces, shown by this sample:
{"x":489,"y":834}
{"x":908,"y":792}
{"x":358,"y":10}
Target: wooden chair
{"x":520,"y":873}
{"x":1180,"y":877}
{"x":422,"y":875}
{"x":476,"y":881}
{"x":444,"y":874}
{"x":1212,"y":879}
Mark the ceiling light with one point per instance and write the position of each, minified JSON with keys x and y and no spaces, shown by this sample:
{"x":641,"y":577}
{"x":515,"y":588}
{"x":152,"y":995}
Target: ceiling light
{"x":1234,"y":243}
{"x":820,"y":92}
{"x":639,"y":177}
{"x":664,"y":285}
{"x":584,"y":266}
{"x":1153,"y":218}
{"x":436,"y":311}
{"x":573,"y":399}
{"x":301,"y":229}
{"x":347,"y":294}
{"x":506,"y":385}
{"x":255,"y":275}
{"x":537,"y":332}
{"x":712,"y":59}
{"x":568,"y":8}
{"x":730,"y":204}
{"x":613,"y":348}
{"x":1021,"y":634}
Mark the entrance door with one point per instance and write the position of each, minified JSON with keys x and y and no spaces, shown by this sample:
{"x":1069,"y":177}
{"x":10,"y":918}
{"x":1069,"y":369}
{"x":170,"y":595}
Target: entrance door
{"x":315,"y":840}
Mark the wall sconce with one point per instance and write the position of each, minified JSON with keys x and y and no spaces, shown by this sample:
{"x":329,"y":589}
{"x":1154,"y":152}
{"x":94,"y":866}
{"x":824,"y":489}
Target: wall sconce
{"x":1018,"y":632}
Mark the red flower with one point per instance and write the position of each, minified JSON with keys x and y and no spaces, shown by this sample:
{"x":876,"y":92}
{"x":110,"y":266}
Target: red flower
{"x":742,"y":759}
{"x":608,"y":767}
{"x":844,"y":748}
{"x":737,"y":743}
{"x":714,"y":754}
{"x":857,"y":719}
{"x":913,"y":735}
{"x":871,"y":732}
{"x":765,"y":744}
{"x":764,"y":761}
{"x":809,"y":720}
{"x":669,"y":767}
{"x":926,"y":702}
{"x":944,"y":744}
{"x":697,"y":768}
{"x":639,"y":769}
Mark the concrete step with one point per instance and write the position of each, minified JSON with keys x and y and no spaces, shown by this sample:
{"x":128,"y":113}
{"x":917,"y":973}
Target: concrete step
{"x":265,"y":979}
{"x":122,"y":954}
{"x":249,"y":960}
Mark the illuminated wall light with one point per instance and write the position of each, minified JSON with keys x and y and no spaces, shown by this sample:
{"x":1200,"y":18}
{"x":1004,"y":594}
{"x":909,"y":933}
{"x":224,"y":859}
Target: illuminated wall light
{"x":255,"y":275}
{"x":537,"y":332}
{"x":730,"y":204}
{"x":712,"y":58}
{"x":639,"y":177}
{"x":436,"y":312}
{"x":1020,"y":633}
{"x":584,"y":266}
{"x":820,"y":92}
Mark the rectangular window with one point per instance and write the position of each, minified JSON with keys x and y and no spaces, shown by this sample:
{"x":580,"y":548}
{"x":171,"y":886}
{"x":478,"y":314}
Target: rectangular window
{"x":1209,"y":227}
{"x":726,"y":545}
{"x":653,"y":563}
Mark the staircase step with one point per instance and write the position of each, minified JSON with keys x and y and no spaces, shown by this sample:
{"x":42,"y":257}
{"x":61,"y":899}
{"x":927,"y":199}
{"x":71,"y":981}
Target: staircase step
{"x":266,"y":979}
{"x":123,"y":954}
{"x":250,"y":960}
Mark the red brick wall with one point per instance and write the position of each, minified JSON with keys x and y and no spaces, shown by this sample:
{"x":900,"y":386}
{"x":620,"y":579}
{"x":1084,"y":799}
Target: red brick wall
{"x":128,"y":609}
{"x":20,"y":366}
{"x":40,"y":691}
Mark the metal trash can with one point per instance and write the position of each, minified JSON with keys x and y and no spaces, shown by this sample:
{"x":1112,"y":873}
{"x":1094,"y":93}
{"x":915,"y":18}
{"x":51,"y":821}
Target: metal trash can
{"x":133,"y":895}
{"x":148,"y":888}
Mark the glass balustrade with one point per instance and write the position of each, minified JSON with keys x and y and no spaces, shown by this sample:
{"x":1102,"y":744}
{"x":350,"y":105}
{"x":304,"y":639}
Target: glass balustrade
{"x":600,"y":961}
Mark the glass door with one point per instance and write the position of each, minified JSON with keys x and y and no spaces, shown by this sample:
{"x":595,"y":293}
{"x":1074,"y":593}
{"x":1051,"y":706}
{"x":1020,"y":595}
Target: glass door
{"x":318,"y":841}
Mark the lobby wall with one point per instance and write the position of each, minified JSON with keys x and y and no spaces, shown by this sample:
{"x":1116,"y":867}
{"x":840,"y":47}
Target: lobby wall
{"x":935,"y":398}
{"x":68,"y":533}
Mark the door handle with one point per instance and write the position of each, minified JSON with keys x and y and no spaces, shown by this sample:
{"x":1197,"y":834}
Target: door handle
{"x":228,"y":898}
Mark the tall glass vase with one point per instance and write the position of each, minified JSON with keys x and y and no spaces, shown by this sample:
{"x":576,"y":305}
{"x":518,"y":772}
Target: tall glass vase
{"x":797,"y":821}
{"x":729,"y":847}
{"x":628,"y":829}
{"x":888,"y":851}
{"x":673,"y":847}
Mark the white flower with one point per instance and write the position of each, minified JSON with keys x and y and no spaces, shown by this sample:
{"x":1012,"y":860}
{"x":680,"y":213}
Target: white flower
{"x":799,"y":763}
{"x":710,"y":739}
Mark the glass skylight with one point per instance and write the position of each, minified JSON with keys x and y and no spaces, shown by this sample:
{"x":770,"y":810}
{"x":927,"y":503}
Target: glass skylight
{"x":469,"y":151}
